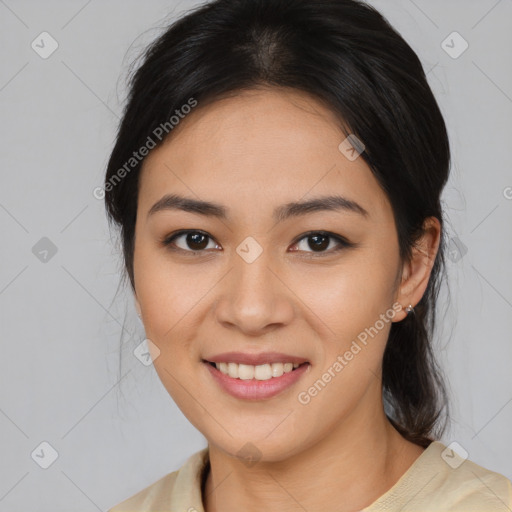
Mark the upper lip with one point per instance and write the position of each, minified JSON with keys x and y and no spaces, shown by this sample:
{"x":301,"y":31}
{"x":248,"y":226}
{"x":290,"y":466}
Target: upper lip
{"x":255,"y":359}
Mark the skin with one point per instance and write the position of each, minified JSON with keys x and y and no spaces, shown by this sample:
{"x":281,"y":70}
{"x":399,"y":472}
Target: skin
{"x":251,"y":153}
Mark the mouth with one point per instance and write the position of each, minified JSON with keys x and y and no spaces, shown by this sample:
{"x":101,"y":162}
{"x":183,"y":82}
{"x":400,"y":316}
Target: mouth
{"x":260,"y":372}
{"x":256,"y":382}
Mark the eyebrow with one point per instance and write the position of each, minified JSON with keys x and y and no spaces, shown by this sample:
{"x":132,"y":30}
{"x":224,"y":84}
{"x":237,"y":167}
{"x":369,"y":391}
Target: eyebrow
{"x":281,"y":213}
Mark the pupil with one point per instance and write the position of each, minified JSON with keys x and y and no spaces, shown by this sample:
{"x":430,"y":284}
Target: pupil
{"x":321,"y":242}
{"x":195,"y":238}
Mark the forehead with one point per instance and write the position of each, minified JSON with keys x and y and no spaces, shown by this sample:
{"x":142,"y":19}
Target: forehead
{"x":264,"y":144}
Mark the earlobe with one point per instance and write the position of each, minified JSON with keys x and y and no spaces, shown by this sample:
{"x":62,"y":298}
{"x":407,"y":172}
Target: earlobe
{"x":417,"y":270}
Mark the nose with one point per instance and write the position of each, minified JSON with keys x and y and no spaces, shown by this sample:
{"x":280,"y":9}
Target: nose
{"x":254,"y":297}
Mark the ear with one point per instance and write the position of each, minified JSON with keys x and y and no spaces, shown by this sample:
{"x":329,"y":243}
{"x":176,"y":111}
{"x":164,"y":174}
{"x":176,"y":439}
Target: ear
{"x":416,"y":272}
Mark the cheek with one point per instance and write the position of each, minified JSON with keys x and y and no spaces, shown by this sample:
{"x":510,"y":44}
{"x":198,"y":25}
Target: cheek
{"x":174,"y":301}
{"x":167,"y":292}
{"x":355,"y":302}
{"x":169,"y":299}
{"x":352,"y":295}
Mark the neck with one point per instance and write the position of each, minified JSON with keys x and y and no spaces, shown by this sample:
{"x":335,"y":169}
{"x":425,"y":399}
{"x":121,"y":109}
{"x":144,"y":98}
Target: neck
{"x":353,"y":466}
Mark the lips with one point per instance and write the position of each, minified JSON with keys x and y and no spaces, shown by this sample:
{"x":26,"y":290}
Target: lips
{"x":260,"y":385}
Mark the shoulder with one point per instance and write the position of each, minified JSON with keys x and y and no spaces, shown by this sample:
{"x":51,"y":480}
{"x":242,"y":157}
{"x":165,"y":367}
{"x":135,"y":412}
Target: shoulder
{"x":442,"y":480}
{"x":169,"y":492}
{"x":467,"y":485}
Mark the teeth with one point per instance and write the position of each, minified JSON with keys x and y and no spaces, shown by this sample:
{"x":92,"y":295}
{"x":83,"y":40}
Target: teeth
{"x":263,"y":372}
{"x":260,"y":372}
{"x":277,"y":369}
{"x":245,"y":372}
{"x":232,"y":370}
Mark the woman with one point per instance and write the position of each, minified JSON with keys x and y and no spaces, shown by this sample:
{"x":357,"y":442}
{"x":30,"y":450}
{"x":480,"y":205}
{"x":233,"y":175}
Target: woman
{"x":278,"y":194}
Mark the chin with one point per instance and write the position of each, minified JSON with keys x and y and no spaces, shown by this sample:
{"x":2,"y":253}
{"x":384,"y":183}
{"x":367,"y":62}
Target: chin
{"x":257,"y":447}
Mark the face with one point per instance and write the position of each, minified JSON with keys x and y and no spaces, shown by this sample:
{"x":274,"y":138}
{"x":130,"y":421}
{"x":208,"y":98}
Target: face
{"x":262,"y":279}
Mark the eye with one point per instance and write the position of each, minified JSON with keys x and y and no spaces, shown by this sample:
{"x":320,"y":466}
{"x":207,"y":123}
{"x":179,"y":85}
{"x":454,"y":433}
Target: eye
{"x":190,"y":241}
{"x":321,"y":241}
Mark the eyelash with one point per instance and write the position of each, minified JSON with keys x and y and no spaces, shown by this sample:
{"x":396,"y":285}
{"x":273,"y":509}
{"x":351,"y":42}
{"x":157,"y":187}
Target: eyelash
{"x":342,"y":243}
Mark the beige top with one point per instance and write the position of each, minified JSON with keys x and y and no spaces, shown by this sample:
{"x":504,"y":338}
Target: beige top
{"x":438,"y":480}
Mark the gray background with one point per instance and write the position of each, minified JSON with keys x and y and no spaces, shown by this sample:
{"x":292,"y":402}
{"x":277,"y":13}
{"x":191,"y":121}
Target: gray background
{"x":115,"y":429}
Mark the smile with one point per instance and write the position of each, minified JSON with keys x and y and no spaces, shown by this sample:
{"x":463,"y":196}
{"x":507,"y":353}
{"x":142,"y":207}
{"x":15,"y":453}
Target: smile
{"x":256,"y":382}
{"x":260,"y":372}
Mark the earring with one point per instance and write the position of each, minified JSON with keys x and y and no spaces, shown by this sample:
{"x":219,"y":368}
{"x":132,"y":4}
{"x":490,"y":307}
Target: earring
{"x":409,"y":309}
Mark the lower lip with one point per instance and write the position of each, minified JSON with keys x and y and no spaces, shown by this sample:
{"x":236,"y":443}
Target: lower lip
{"x":254,"y":389}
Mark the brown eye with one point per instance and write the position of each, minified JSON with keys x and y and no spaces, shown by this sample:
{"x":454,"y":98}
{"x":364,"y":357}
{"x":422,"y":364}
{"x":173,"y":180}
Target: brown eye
{"x":190,"y":241}
{"x":320,"y":241}
{"x":196,"y":241}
